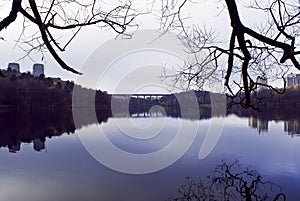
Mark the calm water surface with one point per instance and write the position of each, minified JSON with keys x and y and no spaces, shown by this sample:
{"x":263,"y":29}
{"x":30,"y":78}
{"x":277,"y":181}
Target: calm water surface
{"x":61,"y":168}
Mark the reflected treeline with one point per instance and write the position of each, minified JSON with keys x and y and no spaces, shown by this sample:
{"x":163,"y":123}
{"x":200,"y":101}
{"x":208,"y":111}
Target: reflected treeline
{"x":170,"y":111}
{"x":35,"y":127}
{"x":17,"y":128}
{"x":260,"y":119}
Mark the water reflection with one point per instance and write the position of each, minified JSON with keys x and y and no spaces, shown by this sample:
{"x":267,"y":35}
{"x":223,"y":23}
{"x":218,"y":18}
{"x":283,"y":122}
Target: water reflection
{"x":18,"y":128}
{"x":67,"y":171}
{"x":260,"y":125}
{"x":36,"y":127}
{"x":292,"y":127}
{"x":38,"y":145}
{"x":229,"y":181}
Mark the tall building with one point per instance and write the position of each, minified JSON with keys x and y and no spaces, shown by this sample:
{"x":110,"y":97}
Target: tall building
{"x":263,"y":81}
{"x":38,"y":69}
{"x":293,"y":80}
{"x":14,"y":66}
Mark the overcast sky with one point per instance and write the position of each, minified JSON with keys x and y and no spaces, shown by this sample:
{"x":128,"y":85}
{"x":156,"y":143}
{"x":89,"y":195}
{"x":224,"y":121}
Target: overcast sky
{"x":91,"y":39}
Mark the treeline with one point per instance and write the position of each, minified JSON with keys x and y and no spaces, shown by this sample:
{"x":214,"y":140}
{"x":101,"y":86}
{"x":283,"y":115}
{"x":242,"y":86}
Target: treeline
{"x":262,"y":100}
{"x":269,"y":105}
{"x":268,"y":99}
{"x":23,"y":91}
{"x":203,"y":98}
{"x":271,"y":99}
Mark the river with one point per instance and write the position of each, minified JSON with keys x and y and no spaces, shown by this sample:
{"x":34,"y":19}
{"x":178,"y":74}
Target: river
{"x":140,"y":157}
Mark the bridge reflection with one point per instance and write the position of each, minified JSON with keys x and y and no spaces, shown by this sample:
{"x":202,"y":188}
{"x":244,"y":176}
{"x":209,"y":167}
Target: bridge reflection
{"x":143,"y":96}
{"x":36,"y":128}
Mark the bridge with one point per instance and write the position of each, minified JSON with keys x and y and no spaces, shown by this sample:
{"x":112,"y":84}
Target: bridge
{"x":143,"y":96}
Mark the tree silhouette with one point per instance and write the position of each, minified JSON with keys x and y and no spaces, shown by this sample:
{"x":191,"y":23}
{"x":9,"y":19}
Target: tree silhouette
{"x":25,"y":92}
{"x":266,"y":51}
{"x":229,"y":182}
{"x":53,"y":17}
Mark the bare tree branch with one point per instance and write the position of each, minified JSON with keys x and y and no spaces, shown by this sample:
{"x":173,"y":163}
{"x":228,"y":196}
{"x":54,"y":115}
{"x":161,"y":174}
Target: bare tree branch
{"x":54,"y":17}
{"x":16,"y":6}
{"x":266,"y":52}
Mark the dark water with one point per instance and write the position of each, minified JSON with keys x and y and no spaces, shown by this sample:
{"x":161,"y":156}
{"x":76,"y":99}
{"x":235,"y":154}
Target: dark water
{"x":46,"y":157}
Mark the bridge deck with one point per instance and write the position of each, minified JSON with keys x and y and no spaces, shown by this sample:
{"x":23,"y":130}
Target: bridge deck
{"x":143,"y":96}
{"x":139,"y":94}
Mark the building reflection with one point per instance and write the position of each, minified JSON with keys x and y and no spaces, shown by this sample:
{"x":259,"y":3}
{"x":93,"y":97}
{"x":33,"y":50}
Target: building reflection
{"x":15,"y":148}
{"x":39,"y":144}
{"x":18,"y":128}
{"x":292,"y":127}
{"x":36,"y":128}
{"x":260,"y":125}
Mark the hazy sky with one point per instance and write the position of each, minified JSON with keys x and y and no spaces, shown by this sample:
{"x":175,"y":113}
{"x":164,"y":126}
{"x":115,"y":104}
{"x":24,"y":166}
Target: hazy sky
{"x":208,"y":13}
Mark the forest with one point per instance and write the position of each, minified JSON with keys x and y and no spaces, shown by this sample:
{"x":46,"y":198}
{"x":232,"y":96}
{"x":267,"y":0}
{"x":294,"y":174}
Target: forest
{"x":25,"y":92}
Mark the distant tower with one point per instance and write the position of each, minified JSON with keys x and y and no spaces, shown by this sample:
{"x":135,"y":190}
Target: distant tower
{"x":262,"y":80}
{"x":38,"y":69}
{"x":293,"y":80}
{"x":297,"y":80}
{"x":14,"y":66}
{"x":290,"y":80}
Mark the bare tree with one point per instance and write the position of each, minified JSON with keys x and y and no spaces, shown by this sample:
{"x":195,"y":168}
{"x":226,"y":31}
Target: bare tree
{"x":251,"y":53}
{"x":57,"y":22}
{"x":229,"y":181}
